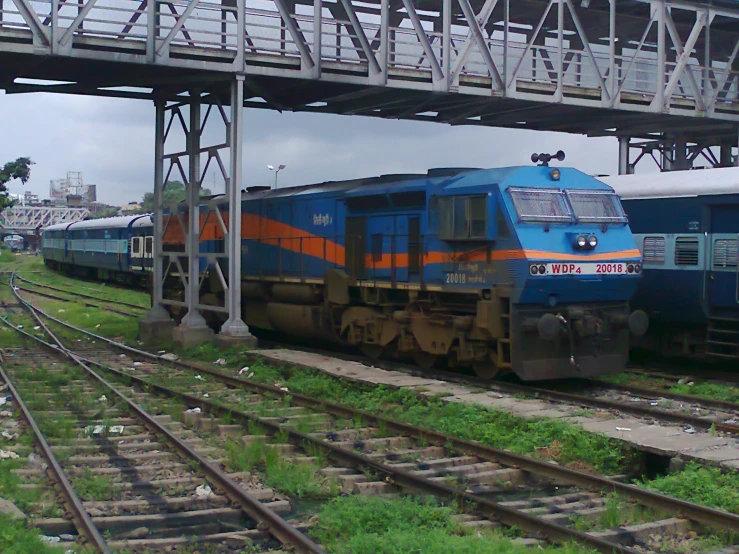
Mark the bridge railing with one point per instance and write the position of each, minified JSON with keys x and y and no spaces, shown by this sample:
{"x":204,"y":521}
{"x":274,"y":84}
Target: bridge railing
{"x":408,"y":46}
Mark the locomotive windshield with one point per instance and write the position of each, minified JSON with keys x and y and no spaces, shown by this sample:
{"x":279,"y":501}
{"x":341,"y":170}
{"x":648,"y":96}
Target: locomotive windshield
{"x":591,"y":206}
{"x":570,"y":206}
{"x":542,"y":205}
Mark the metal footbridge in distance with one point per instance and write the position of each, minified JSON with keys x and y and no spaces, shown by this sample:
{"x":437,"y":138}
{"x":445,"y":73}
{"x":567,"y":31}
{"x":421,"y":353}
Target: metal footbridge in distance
{"x":665,"y":71}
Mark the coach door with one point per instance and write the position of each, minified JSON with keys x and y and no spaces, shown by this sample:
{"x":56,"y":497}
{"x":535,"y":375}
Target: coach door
{"x":723,"y":272}
{"x":356,"y":231}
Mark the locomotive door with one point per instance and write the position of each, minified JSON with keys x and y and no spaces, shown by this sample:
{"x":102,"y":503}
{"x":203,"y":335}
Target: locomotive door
{"x":401,"y":251}
{"x":356,"y":231}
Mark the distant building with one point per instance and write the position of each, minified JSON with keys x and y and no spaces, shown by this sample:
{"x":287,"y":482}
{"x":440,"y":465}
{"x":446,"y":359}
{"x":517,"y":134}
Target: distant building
{"x":130,"y":209}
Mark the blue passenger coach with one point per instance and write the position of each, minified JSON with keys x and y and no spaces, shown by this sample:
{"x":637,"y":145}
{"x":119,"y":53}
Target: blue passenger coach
{"x":687,"y":225}
{"x":118,"y":249}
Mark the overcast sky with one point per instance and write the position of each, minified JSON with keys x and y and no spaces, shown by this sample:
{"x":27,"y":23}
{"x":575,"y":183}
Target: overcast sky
{"x":111,"y":141}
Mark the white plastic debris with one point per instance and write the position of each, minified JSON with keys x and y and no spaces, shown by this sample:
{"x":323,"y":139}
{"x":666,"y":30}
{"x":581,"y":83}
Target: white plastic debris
{"x":36,"y":462}
{"x":220,"y":361}
{"x":623,"y":428}
{"x":690,"y":430}
{"x":60,"y":311}
{"x":116,"y":429}
{"x":121,"y":355}
{"x":9,"y":436}
{"x":243,"y":370}
{"x":6,"y":413}
{"x":203,"y":491}
{"x":193,"y":411}
{"x":94,"y":430}
{"x":5,"y":454}
{"x":137,"y":363}
{"x":284,"y":389}
{"x":171,"y":357}
{"x":103,"y":398}
{"x":50,"y":540}
{"x":96,"y":326}
{"x":37,"y":327}
{"x":4,"y":400}
{"x":200,"y":377}
{"x":162,"y":352}
{"x":206,"y":395}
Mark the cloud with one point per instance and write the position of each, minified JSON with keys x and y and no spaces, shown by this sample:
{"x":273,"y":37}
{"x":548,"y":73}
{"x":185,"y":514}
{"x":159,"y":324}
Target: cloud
{"x":111,"y":141}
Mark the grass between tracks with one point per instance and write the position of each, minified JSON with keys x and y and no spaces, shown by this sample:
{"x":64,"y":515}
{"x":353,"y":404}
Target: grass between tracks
{"x":544,"y":438}
{"x":712,"y":391}
{"x":370,"y":525}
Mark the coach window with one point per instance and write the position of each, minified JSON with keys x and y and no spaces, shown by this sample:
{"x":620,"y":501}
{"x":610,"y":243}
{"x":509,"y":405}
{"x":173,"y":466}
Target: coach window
{"x":686,"y":251}
{"x":653,"y":250}
{"x":136,"y":247}
{"x":462,"y":217}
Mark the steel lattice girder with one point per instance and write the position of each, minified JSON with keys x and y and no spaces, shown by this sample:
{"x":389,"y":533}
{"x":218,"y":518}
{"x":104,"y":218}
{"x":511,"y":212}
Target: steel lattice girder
{"x":586,"y":66}
{"x":30,"y":218}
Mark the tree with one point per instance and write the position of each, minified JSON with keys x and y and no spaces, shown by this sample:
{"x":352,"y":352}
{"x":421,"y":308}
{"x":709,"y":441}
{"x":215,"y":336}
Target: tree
{"x":110,"y":211}
{"x":174,"y":192}
{"x":19,"y":169}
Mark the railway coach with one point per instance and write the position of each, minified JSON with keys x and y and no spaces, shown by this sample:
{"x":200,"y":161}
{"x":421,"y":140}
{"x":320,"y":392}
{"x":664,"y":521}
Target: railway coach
{"x":519,"y":269}
{"x":116,"y":249}
{"x":687,"y":223}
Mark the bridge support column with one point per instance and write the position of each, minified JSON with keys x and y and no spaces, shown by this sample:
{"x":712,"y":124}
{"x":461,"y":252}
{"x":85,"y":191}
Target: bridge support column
{"x":157,"y":325}
{"x":193,"y":329}
{"x":235,"y":330}
{"x":623,"y":155}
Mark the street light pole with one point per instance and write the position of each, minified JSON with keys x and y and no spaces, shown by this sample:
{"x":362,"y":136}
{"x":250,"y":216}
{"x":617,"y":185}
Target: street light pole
{"x":272,"y":168}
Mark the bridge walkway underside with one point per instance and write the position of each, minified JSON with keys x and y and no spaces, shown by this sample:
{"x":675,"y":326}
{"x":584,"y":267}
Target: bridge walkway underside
{"x":627,"y":67}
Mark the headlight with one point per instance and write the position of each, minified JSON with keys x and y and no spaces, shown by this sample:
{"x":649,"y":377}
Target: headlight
{"x":534,"y":270}
{"x":581,"y":241}
{"x":592,"y":241}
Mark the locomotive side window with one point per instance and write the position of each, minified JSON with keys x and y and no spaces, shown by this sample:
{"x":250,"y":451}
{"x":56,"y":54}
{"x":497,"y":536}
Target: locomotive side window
{"x":541,"y":205}
{"x":149,"y":246}
{"x":596,"y":206}
{"x":653,"y":250}
{"x":686,"y":251}
{"x":462,"y":217}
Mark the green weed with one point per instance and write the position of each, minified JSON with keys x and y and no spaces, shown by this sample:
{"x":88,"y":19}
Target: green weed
{"x":373,"y":525}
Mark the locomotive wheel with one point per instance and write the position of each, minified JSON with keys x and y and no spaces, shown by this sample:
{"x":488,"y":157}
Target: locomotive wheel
{"x":485,"y":369}
{"x":426,"y":360}
{"x":373,"y":351}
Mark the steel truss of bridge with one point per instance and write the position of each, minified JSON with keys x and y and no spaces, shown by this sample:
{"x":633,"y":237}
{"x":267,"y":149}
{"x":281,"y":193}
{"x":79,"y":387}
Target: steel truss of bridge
{"x":656,"y":70}
{"x":24,"y":220}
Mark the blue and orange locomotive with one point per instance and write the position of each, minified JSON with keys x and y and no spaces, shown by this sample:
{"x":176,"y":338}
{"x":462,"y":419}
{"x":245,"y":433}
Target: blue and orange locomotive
{"x":523,"y":269}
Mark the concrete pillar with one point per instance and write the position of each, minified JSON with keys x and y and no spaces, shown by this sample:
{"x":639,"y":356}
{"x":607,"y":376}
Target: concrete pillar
{"x":193,"y":329}
{"x":623,"y":155}
{"x":235,"y":329}
{"x":157,"y":324}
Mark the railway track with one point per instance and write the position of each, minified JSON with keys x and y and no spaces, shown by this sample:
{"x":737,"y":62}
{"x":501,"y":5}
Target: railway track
{"x":373,"y":455}
{"x":691,"y":412}
{"x":86,"y":299}
{"x":140,"y":480}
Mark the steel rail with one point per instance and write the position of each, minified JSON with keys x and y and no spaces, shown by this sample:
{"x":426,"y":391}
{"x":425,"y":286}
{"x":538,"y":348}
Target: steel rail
{"x":282,"y":530}
{"x":80,"y":294}
{"x":82,"y":519}
{"x":576,"y":399}
{"x":647,"y":391}
{"x":692,"y":511}
{"x":89,"y":304}
{"x":492,"y":510}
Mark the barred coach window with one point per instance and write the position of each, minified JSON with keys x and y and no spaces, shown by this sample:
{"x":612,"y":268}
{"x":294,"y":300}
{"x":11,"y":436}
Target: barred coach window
{"x":462,"y":217}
